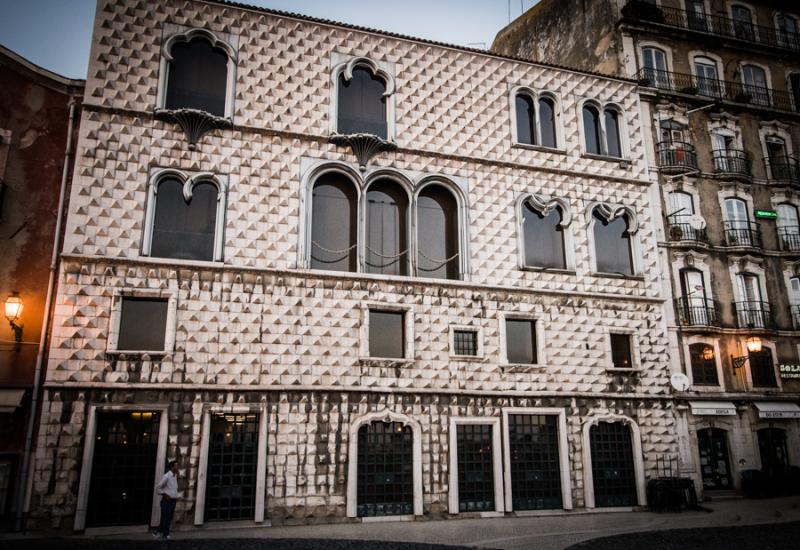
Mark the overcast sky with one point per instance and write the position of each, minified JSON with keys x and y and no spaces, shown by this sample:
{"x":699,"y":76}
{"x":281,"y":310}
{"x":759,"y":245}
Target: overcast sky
{"x":56,"y":34}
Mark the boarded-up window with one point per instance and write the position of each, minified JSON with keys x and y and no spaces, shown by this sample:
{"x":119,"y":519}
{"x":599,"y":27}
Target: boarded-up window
{"x":362,"y":105}
{"x":612,"y":245}
{"x":181,"y":229}
{"x":437,"y":236}
{"x":334,"y":227}
{"x":197,"y":77}
{"x":386,"y":334}
{"x":521,"y":341}
{"x":143,"y":324}
{"x":543,"y":237}
{"x":387,"y":233}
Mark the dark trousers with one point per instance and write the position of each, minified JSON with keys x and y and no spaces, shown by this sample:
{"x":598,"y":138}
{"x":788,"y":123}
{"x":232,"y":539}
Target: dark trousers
{"x":167,"y":511}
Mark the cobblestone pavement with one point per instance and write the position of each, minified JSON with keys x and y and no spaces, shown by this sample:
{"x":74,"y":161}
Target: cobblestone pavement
{"x":783,"y":536}
{"x":217,"y":544}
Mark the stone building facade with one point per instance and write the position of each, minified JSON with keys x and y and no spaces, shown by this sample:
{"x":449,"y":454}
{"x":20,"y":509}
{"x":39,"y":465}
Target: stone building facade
{"x":720,"y":88}
{"x":35,"y":123}
{"x":369,"y":388}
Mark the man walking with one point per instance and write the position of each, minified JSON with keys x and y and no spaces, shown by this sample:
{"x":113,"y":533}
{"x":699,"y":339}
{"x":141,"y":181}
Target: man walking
{"x":168,"y":489}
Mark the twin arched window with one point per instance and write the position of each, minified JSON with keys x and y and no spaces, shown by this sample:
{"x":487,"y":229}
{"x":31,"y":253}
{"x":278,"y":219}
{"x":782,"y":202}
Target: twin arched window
{"x":386,"y":232}
{"x":612,"y":241}
{"x":197,"y":73}
{"x":601,"y":131}
{"x":536,"y":120}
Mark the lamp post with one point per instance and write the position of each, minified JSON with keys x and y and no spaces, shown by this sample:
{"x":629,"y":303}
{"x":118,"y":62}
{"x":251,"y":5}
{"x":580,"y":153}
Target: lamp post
{"x":753,"y":346}
{"x":13,"y":313}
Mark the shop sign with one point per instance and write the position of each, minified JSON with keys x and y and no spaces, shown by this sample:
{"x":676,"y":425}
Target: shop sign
{"x":767,"y":214}
{"x":789,"y":371}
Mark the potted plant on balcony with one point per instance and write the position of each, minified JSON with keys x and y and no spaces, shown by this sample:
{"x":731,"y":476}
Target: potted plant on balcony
{"x":675,"y":233}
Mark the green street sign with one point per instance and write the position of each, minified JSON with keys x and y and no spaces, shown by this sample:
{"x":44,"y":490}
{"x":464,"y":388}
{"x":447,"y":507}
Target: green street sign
{"x":767,"y":214}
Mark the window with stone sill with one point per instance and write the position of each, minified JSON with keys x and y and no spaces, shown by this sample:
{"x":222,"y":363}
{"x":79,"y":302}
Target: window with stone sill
{"x":465,"y":342}
{"x":602,"y":130}
{"x":386,"y":334}
{"x":543,"y":236}
{"x":704,"y":365}
{"x":521,"y":341}
{"x":612,"y":241}
{"x":142,"y":324}
{"x":621,"y":351}
{"x":536,"y":118}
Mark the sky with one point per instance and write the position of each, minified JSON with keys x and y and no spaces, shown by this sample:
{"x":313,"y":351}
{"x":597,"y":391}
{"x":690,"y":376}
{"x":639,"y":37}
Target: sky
{"x":57,"y":34}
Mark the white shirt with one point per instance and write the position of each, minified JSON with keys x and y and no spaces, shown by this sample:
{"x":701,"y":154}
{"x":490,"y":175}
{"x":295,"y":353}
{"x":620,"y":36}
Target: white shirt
{"x":168,"y":485}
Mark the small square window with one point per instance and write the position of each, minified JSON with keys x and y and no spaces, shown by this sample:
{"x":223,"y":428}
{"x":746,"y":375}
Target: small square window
{"x":521,"y":341}
{"x":465,"y":342}
{"x":143,"y":324}
{"x":386,"y":334}
{"x":621,"y":351}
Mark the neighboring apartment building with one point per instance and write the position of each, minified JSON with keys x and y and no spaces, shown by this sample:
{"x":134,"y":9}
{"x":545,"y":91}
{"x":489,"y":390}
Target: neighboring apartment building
{"x":35,"y":126}
{"x":324,"y":269}
{"x":720,"y":88}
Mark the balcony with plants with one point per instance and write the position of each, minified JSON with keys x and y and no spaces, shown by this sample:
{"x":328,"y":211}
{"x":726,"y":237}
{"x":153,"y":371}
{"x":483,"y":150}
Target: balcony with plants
{"x":676,"y":157}
{"x":742,"y":233}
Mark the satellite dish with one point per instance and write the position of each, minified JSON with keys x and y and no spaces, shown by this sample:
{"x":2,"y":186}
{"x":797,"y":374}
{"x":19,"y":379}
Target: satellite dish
{"x":679,"y":381}
{"x":697,"y":222}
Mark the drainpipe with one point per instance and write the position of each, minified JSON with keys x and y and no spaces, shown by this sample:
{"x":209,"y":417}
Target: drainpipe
{"x":26,"y":474}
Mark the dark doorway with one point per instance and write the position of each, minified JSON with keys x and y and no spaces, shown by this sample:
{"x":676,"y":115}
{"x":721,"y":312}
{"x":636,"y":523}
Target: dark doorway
{"x":232,"y":465}
{"x":773,"y":450}
{"x":612,"y":465}
{"x":385,"y":469}
{"x":475,"y":468}
{"x":535,"y":468}
{"x":714,"y":462}
{"x":123,"y":469}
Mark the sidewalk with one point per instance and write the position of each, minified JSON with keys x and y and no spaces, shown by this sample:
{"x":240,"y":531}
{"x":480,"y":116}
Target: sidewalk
{"x":549,"y":532}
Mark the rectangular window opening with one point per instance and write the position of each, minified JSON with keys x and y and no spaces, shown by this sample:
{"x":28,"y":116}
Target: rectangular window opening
{"x":465,"y":342}
{"x":621,"y":351}
{"x":521,"y":341}
{"x":386,"y":334}
{"x":143,"y":324}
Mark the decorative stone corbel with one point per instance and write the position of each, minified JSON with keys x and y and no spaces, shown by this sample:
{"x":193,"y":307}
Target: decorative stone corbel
{"x":364,"y":146}
{"x":195,"y":123}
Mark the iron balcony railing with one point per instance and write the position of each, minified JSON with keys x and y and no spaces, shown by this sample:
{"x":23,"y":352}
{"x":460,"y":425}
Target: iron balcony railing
{"x":789,"y":237}
{"x":742,"y":233}
{"x":732,"y":162}
{"x":676,"y":156}
{"x":697,"y":311}
{"x":796,"y":316}
{"x":753,"y":315}
{"x":712,"y":24}
{"x":722,"y":90}
{"x":783,"y":169}
{"x":685,"y":232}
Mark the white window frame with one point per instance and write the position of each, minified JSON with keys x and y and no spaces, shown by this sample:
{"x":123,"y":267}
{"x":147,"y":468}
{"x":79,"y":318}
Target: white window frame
{"x":384,"y":415}
{"x":638,"y":461}
{"x":535,"y":96}
{"x":753,"y":15}
{"x":497,"y":463}
{"x":714,"y":343}
{"x":778,"y":32}
{"x":544,"y":205}
{"x":767,"y":77}
{"x":176,"y":34}
{"x":115,"y":320}
{"x":345,"y":64}
{"x":634,"y":341}
{"x":538,"y":320}
{"x":649,"y":44}
{"x":261,"y":463}
{"x":408,"y":331}
{"x":479,"y":350}
{"x":622,"y":122}
{"x":611,"y":212}
{"x":718,"y":64}
{"x":84,"y":484}
{"x":189,"y":180}
{"x":563,"y":454}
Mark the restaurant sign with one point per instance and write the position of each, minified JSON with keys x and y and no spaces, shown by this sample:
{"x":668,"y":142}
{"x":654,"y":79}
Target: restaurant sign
{"x":789,"y":371}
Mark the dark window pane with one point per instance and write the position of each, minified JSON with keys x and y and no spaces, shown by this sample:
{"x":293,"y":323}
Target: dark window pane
{"x":465,"y":342}
{"x":143,"y":324}
{"x":591,"y":130}
{"x":613,"y":471}
{"x":534,"y":461}
{"x":526,"y":122}
{"x":333,"y":228}
{"x":762,"y":369}
{"x":437,"y":222}
{"x":621,"y":351}
{"x":232,"y":461}
{"x":475,"y":467}
{"x":387,"y":248}
{"x":612,"y":246}
{"x":612,"y":133}
{"x":184,"y":230}
{"x":773,"y":450}
{"x":544,"y":238}
{"x":704,"y":367}
{"x":197,"y":78}
{"x":521,"y":341}
{"x":362,"y":106}
{"x":547,"y":120}
{"x":385,"y":469}
{"x":386,"y":334}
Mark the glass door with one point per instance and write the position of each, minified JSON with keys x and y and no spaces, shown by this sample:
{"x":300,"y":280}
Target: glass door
{"x":788,"y":227}
{"x":535,"y":467}
{"x":707,"y":79}
{"x":749,"y":307}
{"x":755,"y":85}
{"x":694,"y":292}
{"x":714,"y":463}
{"x":385,"y":484}
{"x":232,"y":459}
{"x":778,"y":159}
{"x":743,"y":23}
{"x":655,"y":65}
{"x":612,"y":464}
{"x":696,"y":15}
{"x":475,"y":468}
{"x":737,"y":223}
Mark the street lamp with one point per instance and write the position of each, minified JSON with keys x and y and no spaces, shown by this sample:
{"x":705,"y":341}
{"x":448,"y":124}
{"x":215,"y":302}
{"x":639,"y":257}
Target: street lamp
{"x":753,"y":345}
{"x":13,"y":313}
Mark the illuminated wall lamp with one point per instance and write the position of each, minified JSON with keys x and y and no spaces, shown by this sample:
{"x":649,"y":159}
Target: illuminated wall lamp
{"x":13,"y":313}
{"x":753,"y":346}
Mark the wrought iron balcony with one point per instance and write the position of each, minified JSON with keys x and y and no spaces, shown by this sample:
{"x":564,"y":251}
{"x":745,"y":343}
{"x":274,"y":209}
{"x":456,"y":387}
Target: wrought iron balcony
{"x":676,"y":156}
{"x":753,"y":315}
{"x":714,"y":25}
{"x":796,"y":316}
{"x":696,"y":311}
{"x":732,"y":162}
{"x":784,"y":169}
{"x":742,"y":233}
{"x":789,"y":237}
{"x":722,"y":90}
{"x":685,"y":232}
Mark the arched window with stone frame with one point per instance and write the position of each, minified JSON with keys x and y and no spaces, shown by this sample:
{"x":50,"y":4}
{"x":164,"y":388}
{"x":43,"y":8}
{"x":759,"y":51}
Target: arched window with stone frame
{"x":438,"y":236}
{"x":364,"y":98}
{"x":543,"y":225}
{"x":612,"y":229}
{"x":334,"y":223}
